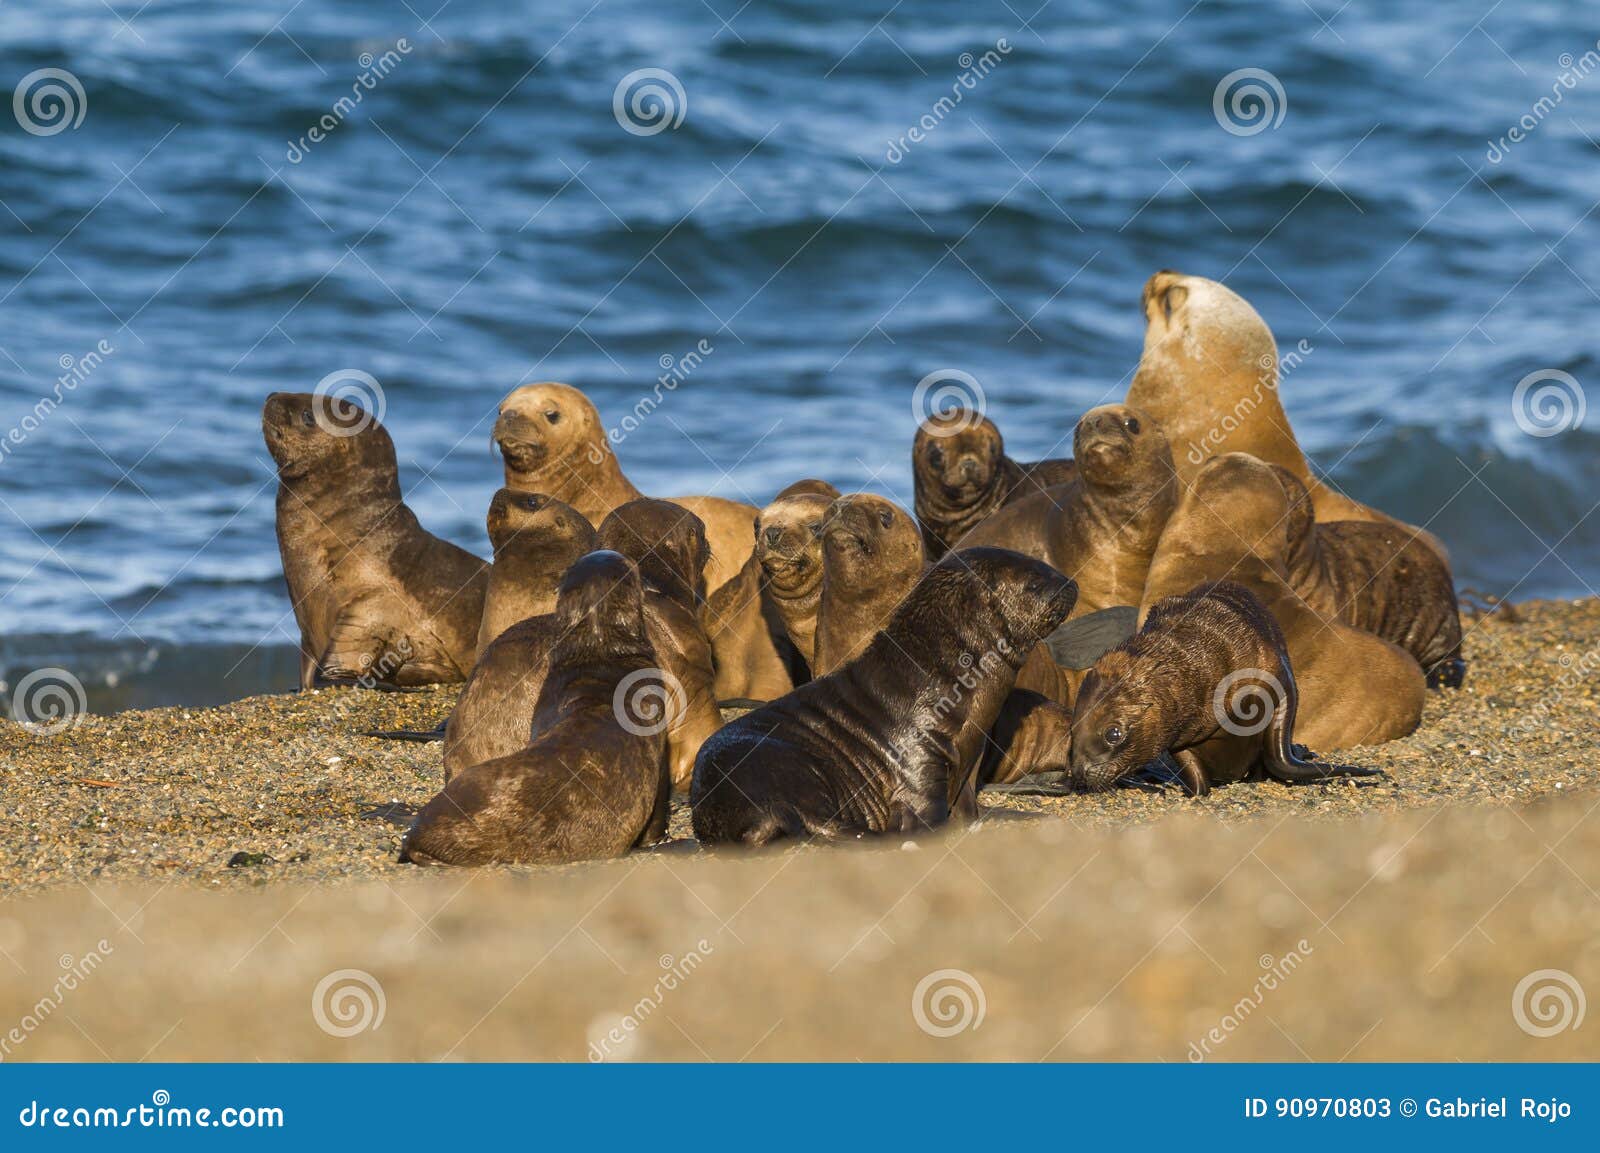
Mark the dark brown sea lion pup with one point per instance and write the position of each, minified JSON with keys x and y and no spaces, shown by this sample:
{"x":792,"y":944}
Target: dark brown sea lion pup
{"x":1376,"y":577}
{"x":494,"y":715}
{"x":1103,"y":527}
{"x":536,"y":539}
{"x":789,"y":550}
{"x":962,"y":476}
{"x":1207,"y":679}
{"x":379,"y":599}
{"x":1209,"y":374}
{"x":891,"y":740}
{"x":1355,"y":688}
{"x":592,"y":783}
{"x":553,"y":442}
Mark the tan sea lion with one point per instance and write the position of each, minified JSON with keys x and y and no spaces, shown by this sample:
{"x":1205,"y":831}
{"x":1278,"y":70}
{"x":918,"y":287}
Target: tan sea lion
{"x":789,"y":550}
{"x":594,"y":780}
{"x":1102,"y":528}
{"x":494,"y":714}
{"x":1354,"y":688}
{"x":1376,"y":577}
{"x":378,"y":598}
{"x":536,"y":539}
{"x":890,"y":741}
{"x":1209,"y":374}
{"x":962,"y":476}
{"x":554,"y":442}
{"x":872,"y":556}
{"x":1207,"y":679}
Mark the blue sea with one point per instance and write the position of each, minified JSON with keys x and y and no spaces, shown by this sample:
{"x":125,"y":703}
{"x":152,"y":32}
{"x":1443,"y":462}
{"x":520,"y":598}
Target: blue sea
{"x":201,"y":203}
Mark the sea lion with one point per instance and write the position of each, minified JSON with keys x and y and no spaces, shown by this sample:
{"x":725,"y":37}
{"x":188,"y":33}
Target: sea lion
{"x":592,"y":783}
{"x":789,"y":550}
{"x":1102,"y":528}
{"x":889,"y":741}
{"x":379,"y":599}
{"x":1354,"y":688}
{"x":1031,"y":736}
{"x":872,"y":557}
{"x":1208,"y":680}
{"x":1378,"y":578}
{"x":962,"y":475}
{"x":494,"y":714}
{"x":536,"y":539}
{"x":1209,"y":374}
{"x":553,"y":442}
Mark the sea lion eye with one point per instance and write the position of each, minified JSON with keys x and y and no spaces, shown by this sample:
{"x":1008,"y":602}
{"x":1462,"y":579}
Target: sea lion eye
{"x":1132,"y":425}
{"x":1114,"y":735}
{"x":936,"y":456}
{"x":885,"y":517}
{"x":553,"y":416}
{"x":307,"y":417}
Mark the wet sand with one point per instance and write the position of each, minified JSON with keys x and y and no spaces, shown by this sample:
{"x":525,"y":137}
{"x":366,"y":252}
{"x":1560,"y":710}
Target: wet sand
{"x":1392,"y":922}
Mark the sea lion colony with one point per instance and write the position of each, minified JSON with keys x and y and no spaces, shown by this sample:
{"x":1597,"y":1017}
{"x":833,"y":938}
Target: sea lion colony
{"x":1179,"y":603}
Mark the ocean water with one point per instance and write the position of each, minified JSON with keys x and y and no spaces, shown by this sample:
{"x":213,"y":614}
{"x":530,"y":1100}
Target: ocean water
{"x":176,"y":242}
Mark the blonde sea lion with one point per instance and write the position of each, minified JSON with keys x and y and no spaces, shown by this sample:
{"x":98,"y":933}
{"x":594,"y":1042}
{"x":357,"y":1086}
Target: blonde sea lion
{"x":536,"y":538}
{"x":378,"y":598}
{"x":789,"y":550}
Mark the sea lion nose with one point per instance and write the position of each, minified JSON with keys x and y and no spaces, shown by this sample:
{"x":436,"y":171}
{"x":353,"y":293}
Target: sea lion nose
{"x":969,"y":468}
{"x":773,"y":536}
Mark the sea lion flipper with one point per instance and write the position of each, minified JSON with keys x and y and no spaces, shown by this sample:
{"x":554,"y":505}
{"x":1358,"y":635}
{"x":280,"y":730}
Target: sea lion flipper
{"x":1057,"y":783}
{"x":1079,"y":643}
{"x":1294,"y":764}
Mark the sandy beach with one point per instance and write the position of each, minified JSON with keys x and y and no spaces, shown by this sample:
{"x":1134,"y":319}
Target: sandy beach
{"x":220,"y":867}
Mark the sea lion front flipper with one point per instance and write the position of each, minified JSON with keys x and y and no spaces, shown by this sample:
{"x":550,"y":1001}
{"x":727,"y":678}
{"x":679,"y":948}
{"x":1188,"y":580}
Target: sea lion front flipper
{"x":1057,"y":783}
{"x":1192,"y":773}
{"x":1079,"y":643}
{"x":354,"y":654}
{"x":429,"y":735}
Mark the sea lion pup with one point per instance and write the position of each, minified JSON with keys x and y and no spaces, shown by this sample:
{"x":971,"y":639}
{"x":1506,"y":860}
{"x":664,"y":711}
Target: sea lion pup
{"x":1031,"y":736}
{"x":1102,"y":528}
{"x":378,"y":598}
{"x":872,"y":557}
{"x":1378,"y":578}
{"x":1207,"y":679}
{"x":536,"y":539}
{"x":553,"y":442}
{"x":789,"y":551}
{"x":494,"y":715}
{"x":962,"y":475}
{"x":1354,"y":688}
{"x":890,"y":741}
{"x":592,"y":783}
{"x":1209,"y":375}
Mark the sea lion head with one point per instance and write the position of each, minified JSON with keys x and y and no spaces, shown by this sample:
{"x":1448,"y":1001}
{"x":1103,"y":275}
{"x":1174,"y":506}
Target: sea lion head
{"x":601,"y":595}
{"x":308,"y":432}
{"x":666,"y":541}
{"x":867,"y":538}
{"x":1015,"y":599}
{"x":1116,"y":722}
{"x":1119,"y":447}
{"x":788,"y":546}
{"x":536,"y":520}
{"x":956,"y":458}
{"x":1191,"y":320}
{"x":541,"y":426}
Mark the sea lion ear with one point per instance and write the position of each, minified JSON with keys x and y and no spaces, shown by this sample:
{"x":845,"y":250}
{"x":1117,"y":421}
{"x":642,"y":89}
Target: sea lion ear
{"x":885,"y":517}
{"x":1172,"y":299}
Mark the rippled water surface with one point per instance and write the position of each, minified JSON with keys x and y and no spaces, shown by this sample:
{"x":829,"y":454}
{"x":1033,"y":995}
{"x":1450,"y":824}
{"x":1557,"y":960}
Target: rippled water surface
{"x":481,"y":217}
